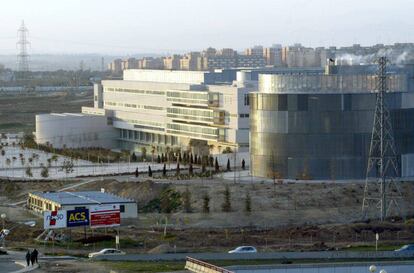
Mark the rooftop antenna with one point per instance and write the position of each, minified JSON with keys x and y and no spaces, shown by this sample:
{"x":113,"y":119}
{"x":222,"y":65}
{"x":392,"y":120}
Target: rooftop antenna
{"x":22,"y":56}
{"x":381,"y":190}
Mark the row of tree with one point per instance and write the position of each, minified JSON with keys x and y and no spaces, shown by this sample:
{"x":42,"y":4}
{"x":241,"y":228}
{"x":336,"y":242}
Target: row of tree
{"x":171,"y":201}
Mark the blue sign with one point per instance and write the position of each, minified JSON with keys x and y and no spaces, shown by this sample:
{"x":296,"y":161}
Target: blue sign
{"x":77,"y":218}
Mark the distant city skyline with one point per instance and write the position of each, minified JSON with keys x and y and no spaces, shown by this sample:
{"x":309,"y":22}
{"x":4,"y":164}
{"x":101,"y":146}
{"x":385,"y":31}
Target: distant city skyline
{"x":157,"y":26}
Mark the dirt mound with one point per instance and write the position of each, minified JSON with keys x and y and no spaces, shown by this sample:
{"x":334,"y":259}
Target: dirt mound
{"x":164,"y":248}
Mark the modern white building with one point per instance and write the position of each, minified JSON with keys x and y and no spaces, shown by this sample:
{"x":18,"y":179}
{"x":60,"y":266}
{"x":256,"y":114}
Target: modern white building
{"x":162,"y":109}
{"x":40,"y":202}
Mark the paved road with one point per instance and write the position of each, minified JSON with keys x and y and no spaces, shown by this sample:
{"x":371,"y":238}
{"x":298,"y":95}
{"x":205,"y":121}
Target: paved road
{"x":264,"y":256}
{"x":390,"y":267}
{"x":7,"y":262}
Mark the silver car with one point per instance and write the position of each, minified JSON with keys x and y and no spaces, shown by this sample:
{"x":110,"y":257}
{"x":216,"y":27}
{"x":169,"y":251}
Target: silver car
{"x":106,"y":252}
{"x":244,"y":249}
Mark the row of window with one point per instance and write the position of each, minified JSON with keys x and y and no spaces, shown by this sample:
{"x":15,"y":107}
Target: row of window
{"x":136,"y":91}
{"x":141,"y":122}
{"x":191,"y":112}
{"x":188,"y":95}
{"x":132,"y":105}
{"x":192,"y":131}
{"x":147,"y":137}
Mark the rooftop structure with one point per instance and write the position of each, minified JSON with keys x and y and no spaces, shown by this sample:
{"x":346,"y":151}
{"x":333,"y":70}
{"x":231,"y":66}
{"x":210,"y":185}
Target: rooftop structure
{"x":82,"y":198}
{"x":50,"y":201}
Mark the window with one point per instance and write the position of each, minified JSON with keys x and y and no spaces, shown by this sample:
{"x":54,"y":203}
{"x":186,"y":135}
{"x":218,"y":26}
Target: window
{"x":302,"y":102}
{"x":122,"y":208}
{"x":246,"y":99}
{"x":282,"y":102}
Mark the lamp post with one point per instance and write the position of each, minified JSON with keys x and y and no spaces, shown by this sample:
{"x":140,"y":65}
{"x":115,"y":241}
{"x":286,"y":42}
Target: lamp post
{"x":3,"y":218}
{"x":3,"y":231}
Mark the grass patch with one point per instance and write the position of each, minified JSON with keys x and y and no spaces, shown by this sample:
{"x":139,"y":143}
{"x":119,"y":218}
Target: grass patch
{"x":372,"y":248}
{"x":150,"y":267}
{"x":11,"y":125}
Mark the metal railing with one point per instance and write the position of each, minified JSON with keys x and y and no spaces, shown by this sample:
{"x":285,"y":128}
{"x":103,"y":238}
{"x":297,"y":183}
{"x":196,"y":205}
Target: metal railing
{"x":200,"y":264}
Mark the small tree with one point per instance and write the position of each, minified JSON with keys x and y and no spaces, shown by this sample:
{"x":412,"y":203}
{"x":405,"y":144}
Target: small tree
{"x":226,"y":206}
{"x":248,"y":203}
{"x":55,"y":158}
{"x":177,"y":171}
{"x":211,"y":161}
{"x":149,"y":171}
{"x":190,"y":170}
{"x":153,"y":152}
{"x":216,"y":165}
{"x":195,"y":159}
{"x":187,"y":201}
{"x":134,"y":157}
{"x":170,"y":200}
{"x":243,"y":164}
{"x":67,"y":166}
{"x":206,"y":203}
{"x":29,"y":172}
{"x":45,"y":172}
{"x":49,"y":162}
{"x":143,"y":153}
{"x":228,"y":165}
{"x":191,"y":159}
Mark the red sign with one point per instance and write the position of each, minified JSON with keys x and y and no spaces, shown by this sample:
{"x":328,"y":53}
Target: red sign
{"x":105,"y":216}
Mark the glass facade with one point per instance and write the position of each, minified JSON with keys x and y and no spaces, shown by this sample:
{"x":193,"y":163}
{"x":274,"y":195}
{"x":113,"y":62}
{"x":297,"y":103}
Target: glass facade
{"x":299,"y":83}
{"x":320,"y":136}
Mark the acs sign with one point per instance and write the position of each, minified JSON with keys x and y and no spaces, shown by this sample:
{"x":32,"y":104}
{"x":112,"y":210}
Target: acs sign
{"x":78,"y":218}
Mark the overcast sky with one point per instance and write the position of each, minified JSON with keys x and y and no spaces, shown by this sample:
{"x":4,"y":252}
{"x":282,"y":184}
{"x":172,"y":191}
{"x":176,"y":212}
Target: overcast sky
{"x":165,"y":26}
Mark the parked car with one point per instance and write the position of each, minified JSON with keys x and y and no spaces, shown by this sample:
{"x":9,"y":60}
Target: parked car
{"x":406,"y":248}
{"x":244,"y":249}
{"x":106,"y":252}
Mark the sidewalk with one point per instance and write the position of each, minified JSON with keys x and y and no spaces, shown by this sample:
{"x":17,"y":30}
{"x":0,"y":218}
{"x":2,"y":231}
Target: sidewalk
{"x":25,"y":267}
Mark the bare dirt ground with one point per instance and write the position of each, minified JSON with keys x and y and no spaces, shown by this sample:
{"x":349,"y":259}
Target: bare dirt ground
{"x":284,"y":217}
{"x":17,"y":113}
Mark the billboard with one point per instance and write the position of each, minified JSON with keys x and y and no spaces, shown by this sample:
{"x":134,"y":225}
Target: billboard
{"x":54,"y":219}
{"x":105,"y":216}
{"x":77,"y":218}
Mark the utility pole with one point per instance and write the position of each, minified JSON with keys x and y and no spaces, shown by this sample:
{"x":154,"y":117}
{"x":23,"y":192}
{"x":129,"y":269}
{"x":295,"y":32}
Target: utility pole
{"x":381,"y":190}
{"x":22,"y":55}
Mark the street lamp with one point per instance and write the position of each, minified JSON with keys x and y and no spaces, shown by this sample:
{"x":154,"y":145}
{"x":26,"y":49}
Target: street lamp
{"x":3,"y":218}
